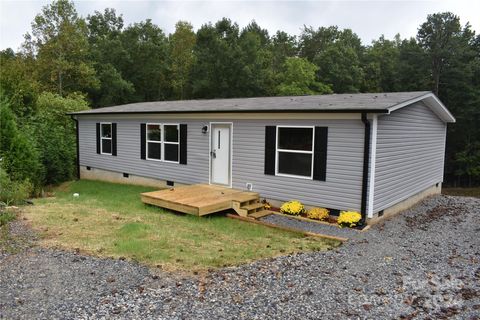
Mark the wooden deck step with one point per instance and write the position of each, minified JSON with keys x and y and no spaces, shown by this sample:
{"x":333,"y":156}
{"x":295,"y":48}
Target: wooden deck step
{"x":246,"y":196}
{"x":260,"y":214}
{"x":253,"y":206}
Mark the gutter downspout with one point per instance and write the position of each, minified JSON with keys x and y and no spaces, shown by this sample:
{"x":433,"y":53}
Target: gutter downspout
{"x":366,"y":171}
{"x":78,"y":146}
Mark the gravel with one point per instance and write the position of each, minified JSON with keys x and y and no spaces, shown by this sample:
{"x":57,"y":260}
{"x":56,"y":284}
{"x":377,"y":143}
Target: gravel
{"x":15,"y":237}
{"x":423,"y":264}
{"x":314,"y":227}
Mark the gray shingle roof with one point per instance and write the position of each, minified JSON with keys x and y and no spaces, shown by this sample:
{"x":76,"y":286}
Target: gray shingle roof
{"x":371,"y":102}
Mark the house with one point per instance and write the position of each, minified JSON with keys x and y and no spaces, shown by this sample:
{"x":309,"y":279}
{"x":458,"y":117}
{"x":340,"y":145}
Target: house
{"x":376,"y":153}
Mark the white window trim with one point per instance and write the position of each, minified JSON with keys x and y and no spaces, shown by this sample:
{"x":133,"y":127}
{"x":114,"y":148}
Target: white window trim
{"x":277,"y":150}
{"x":104,"y":138}
{"x":162,"y":142}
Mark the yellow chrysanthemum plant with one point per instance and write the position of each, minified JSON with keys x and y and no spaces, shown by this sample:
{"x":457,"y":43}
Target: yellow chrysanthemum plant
{"x":293,"y":207}
{"x":349,"y":219}
{"x":318,"y":214}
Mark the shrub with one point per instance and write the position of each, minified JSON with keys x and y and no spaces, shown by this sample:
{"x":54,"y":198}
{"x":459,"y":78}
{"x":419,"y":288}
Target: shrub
{"x":55,"y":132}
{"x":13,"y":192}
{"x":318,"y":213}
{"x":6,"y":217}
{"x":293,"y":207}
{"x":349,"y":219}
{"x":20,"y":158}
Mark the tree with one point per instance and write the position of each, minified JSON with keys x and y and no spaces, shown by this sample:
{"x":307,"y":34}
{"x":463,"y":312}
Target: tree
{"x":313,"y":42}
{"x":145,"y":66}
{"x":18,"y":153}
{"x":256,"y":78}
{"x":55,"y":133}
{"x":17,"y":84}
{"x":453,"y":54}
{"x":413,"y":72}
{"x":283,"y":46}
{"x":215,"y":72}
{"x":59,"y":44}
{"x":340,"y":67}
{"x":182,"y":58}
{"x":106,"y":25}
{"x":108,"y":54}
{"x":338,"y":55}
{"x":262,"y":34}
{"x":380,"y":65}
{"x":468,"y":163}
{"x":298,"y":78}
{"x":437,"y":36}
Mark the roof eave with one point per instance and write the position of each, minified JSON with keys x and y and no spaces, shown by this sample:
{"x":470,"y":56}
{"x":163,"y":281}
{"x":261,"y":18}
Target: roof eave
{"x":233,"y":111}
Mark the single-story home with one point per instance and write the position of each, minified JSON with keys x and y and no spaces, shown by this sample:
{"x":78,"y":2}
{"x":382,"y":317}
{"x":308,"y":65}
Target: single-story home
{"x":375,"y":153}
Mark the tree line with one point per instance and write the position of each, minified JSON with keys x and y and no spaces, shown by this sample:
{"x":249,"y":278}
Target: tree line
{"x":68,"y":62}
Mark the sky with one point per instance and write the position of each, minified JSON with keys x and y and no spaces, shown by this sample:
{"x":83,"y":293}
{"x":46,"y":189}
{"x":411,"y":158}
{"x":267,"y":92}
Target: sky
{"x":368,"y":19}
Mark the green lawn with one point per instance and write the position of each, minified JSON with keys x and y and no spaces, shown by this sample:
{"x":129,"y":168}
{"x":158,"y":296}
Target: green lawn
{"x":110,"y":220}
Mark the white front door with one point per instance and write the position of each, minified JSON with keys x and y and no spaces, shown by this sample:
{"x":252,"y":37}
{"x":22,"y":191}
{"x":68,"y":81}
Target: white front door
{"x":220,"y":153}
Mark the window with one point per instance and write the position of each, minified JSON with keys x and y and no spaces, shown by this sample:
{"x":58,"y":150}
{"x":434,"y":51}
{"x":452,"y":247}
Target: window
{"x":106,"y":138}
{"x":154,"y":142}
{"x":171,"y":143}
{"x":162,"y":141}
{"x":295,"y":151}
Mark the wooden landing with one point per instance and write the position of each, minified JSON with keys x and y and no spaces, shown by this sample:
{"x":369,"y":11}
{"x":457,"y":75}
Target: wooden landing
{"x":202,"y":199}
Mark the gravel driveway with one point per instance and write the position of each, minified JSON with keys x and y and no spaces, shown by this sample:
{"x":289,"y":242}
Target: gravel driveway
{"x":422,"y":264}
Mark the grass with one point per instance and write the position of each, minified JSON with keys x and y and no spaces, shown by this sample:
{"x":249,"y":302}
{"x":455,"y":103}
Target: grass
{"x":110,"y":220}
{"x":465,"y":192}
{"x":6,"y":217}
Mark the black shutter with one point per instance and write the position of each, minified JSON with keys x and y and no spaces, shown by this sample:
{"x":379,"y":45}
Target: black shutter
{"x":98,"y":138}
{"x":143,"y":132}
{"x":320,"y":154}
{"x":114,"y":139}
{"x":183,"y":144}
{"x":270,"y":144}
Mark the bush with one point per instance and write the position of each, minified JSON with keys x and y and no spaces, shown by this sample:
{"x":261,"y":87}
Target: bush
{"x":318,"y":213}
{"x":55,"y":132}
{"x":349,"y":219}
{"x":6,"y":217}
{"x":13,"y":192}
{"x":20,"y":158}
{"x":292,"y":207}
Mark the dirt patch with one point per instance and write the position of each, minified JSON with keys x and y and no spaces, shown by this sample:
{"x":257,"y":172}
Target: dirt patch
{"x":439,"y":212}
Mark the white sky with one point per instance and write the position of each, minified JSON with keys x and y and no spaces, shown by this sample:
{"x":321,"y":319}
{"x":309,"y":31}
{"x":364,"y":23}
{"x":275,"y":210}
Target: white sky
{"x":369,"y":19}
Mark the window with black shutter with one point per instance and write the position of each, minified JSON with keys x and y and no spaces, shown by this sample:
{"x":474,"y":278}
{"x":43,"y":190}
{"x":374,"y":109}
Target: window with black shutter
{"x":296,"y":151}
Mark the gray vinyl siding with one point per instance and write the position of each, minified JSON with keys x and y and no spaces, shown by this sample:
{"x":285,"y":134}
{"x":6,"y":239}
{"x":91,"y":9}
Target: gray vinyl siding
{"x":410,"y":154}
{"x":128,"y":152}
{"x":341,"y":190}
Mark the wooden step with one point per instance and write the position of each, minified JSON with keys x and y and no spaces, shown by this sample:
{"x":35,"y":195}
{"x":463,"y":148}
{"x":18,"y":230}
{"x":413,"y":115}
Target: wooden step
{"x":260,"y":214}
{"x":252,"y":206}
{"x":245,"y":197}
